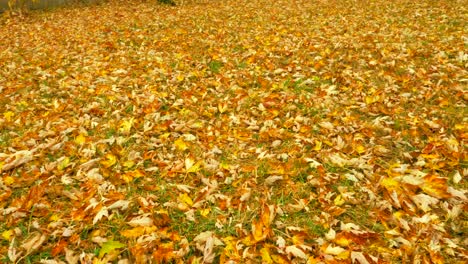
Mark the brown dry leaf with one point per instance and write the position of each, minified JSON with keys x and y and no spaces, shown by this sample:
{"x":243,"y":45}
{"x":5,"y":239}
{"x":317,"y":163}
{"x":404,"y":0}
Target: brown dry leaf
{"x":296,"y":252}
{"x":358,"y":257}
{"x":34,"y":242}
{"x":206,"y":241}
{"x":141,"y":221}
{"x":16,"y":159}
{"x":13,"y":254}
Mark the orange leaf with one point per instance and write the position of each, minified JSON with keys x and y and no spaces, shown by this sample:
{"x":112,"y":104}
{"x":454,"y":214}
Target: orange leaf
{"x":59,"y":248}
{"x":257,"y":230}
{"x":435,"y":186}
{"x":164,"y":253}
{"x":266,"y":215}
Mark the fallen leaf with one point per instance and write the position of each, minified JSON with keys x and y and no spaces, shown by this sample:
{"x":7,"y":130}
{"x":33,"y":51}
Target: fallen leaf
{"x":34,"y":242}
{"x":358,"y":257}
{"x":7,"y":234}
{"x":102,"y":213}
{"x":265,"y":254}
{"x":435,"y":186}
{"x":180,"y":144}
{"x":17,"y":159}
{"x":109,"y":160}
{"x":296,"y":252}
{"x":141,"y":221}
{"x":110,"y":246}
{"x":80,"y":139}
{"x":334,"y":250}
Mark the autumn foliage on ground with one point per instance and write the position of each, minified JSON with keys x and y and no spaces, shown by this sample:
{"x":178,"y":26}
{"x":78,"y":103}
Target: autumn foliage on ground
{"x":246,"y":131}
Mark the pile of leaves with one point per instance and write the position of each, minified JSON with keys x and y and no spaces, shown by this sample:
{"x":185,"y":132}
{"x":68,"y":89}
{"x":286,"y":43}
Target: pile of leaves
{"x":235,"y":131}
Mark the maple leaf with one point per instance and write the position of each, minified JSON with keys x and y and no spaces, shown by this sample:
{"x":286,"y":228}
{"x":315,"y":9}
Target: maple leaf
{"x":296,"y":252}
{"x":103,"y":212}
{"x":8,"y":115}
{"x":109,"y":161}
{"x":265,"y":254}
{"x":191,"y":166}
{"x":126,"y":125}
{"x":16,"y":159}
{"x":7,"y":234}
{"x":80,"y":139}
{"x":110,"y":246}
{"x":435,"y":186}
{"x":141,"y":221}
{"x":180,"y":144}
{"x":34,"y":242}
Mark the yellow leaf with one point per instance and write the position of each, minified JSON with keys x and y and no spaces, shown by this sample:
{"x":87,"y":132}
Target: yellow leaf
{"x":110,"y":160}
{"x":8,"y":115}
{"x":8,"y":180}
{"x":205,"y":212}
{"x":64,"y":163}
{"x":343,"y":255}
{"x":186,"y":199}
{"x":339,"y":200}
{"x":129,"y":176}
{"x":7,"y":234}
{"x":313,"y":260}
{"x":23,"y":104}
{"x":191,"y":166}
{"x":164,"y":136}
{"x":399,"y":214}
{"x":134,"y":232}
{"x":222,"y":107}
{"x":128,"y":164}
{"x":180,"y":144}
{"x":126,"y":125}
{"x":318,"y":145}
{"x":180,"y":78}
{"x":460,"y":126}
{"x":54,"y":218}
{"x":360,"y":149}
{"x":257,"y":230}
{"x":266,"y":258}
{"x":372,"y":99}
{"x":224,"y":165}
{"x":389,"y":184}
{"x":138,"y":174}
{"x":185,"y":111}
{"x":196,"y":167}
{"x":279,"y":259}
{"x":342,"y":241}
{"x":80,"y":139}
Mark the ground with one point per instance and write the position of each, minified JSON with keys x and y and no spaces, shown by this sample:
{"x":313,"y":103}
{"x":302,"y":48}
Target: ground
{"x":246,"y":131}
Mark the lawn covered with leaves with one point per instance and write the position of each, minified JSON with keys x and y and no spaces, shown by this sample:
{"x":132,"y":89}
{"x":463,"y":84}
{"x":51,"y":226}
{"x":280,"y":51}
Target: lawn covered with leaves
{"x":237,"y":131}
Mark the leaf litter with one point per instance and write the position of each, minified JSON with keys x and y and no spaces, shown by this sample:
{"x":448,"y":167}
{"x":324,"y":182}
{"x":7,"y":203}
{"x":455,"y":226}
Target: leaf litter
{"x":235,"y":132}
